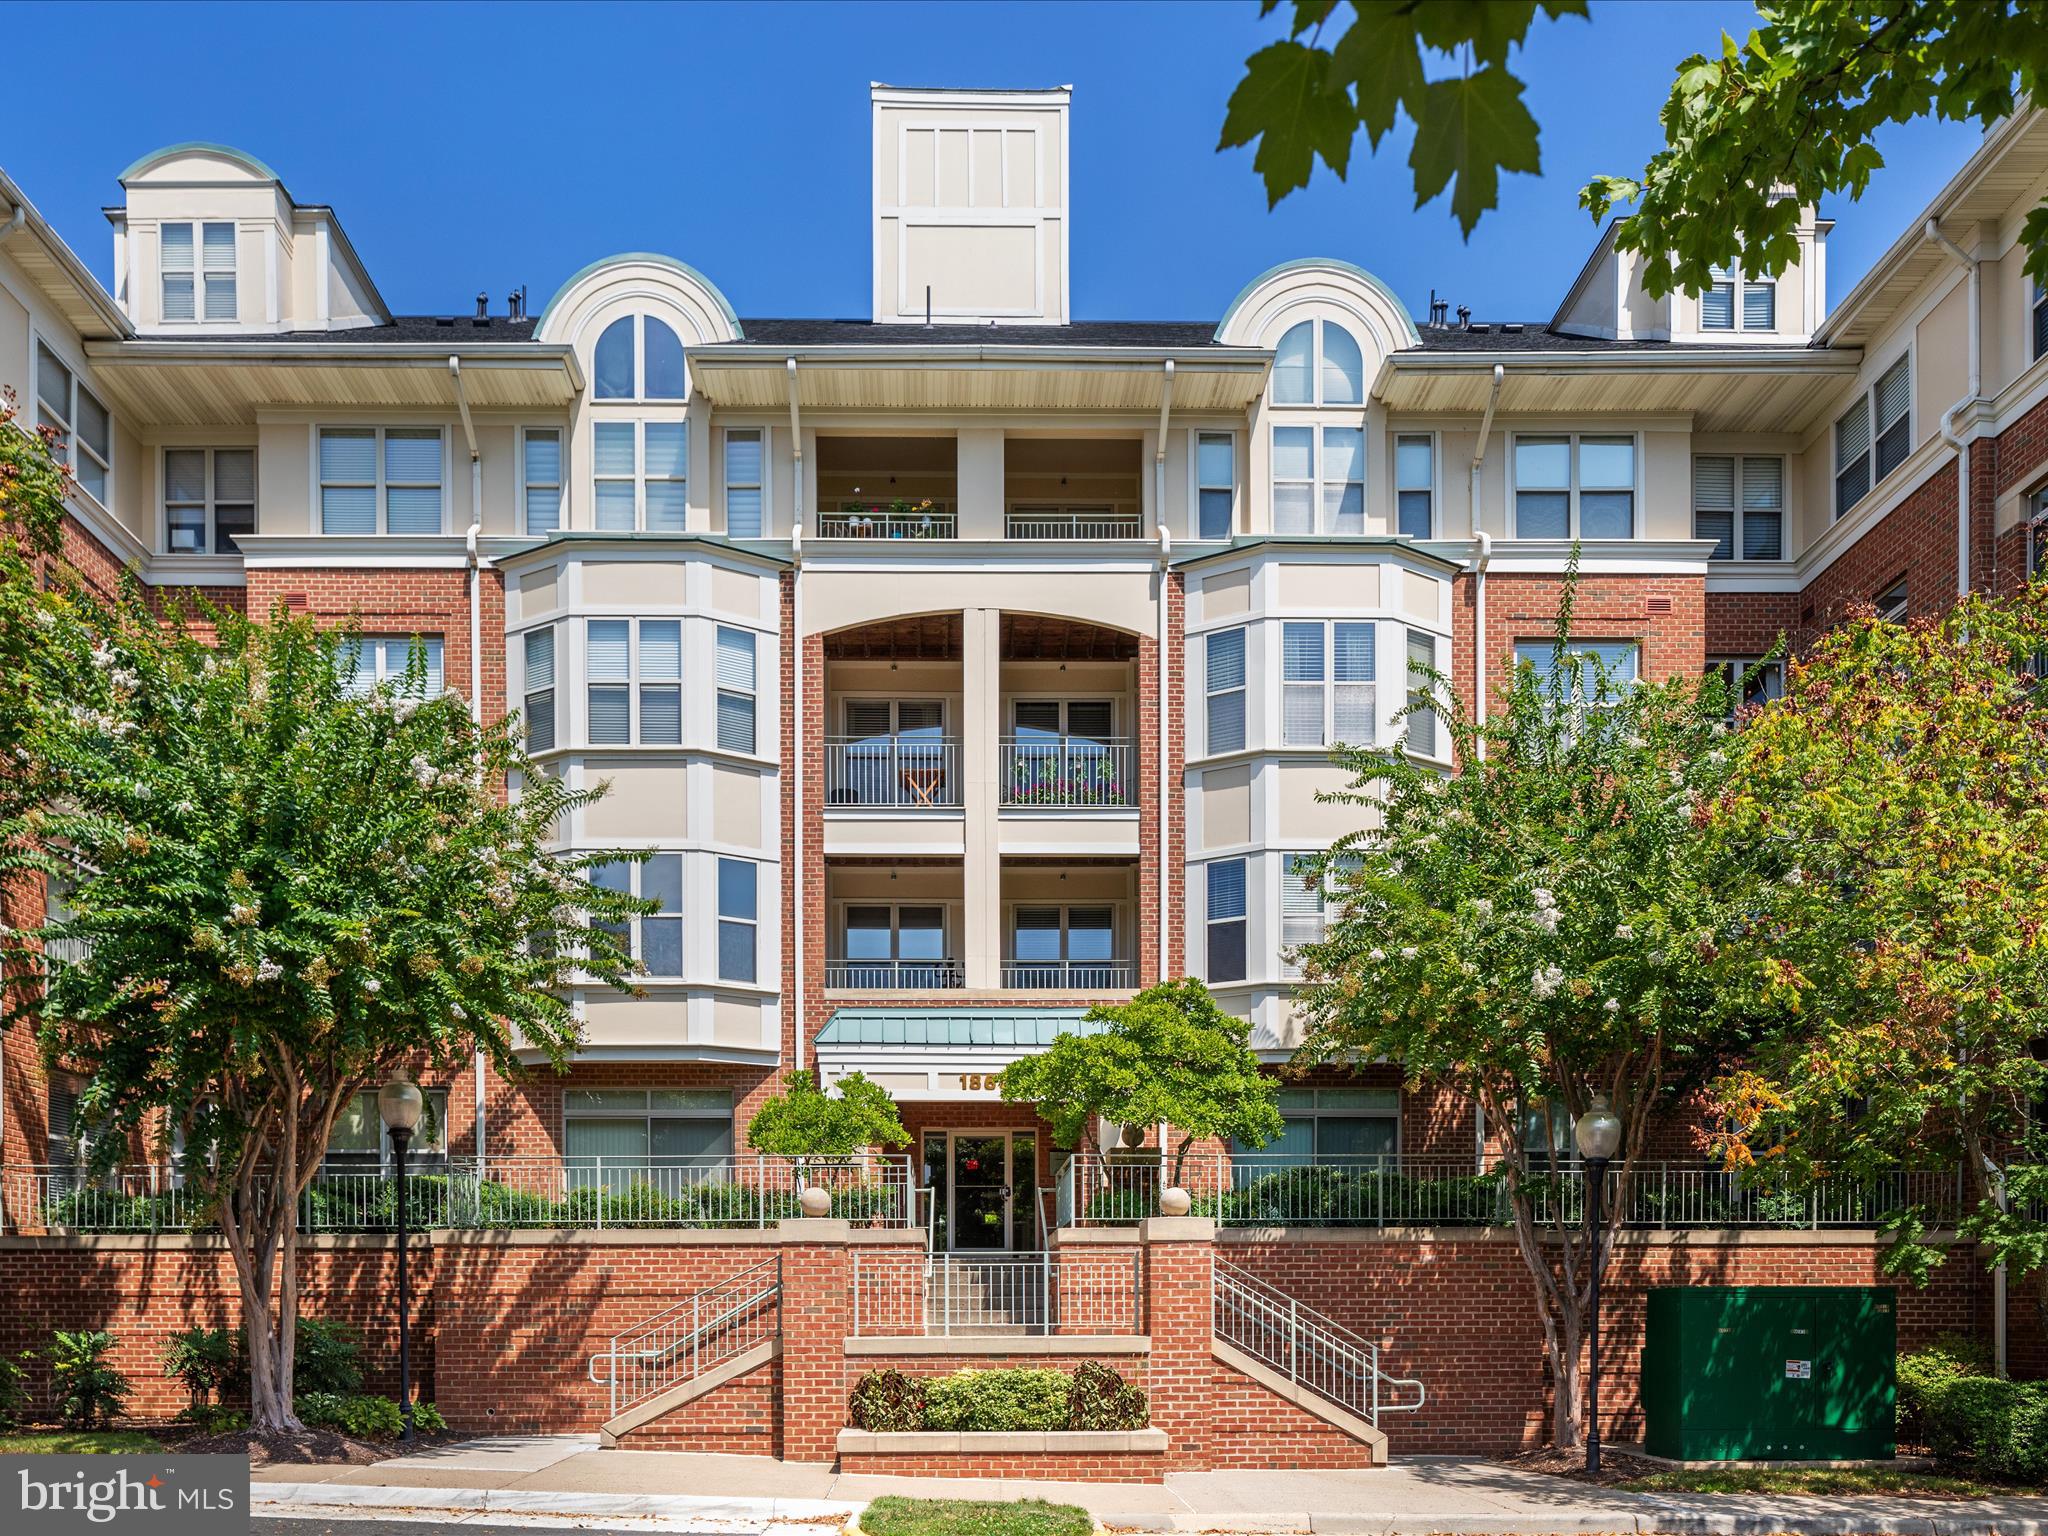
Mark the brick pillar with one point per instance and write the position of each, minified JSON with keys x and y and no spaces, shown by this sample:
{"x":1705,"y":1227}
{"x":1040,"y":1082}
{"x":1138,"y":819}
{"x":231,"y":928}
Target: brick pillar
{"x":1180,"y":1255}
{"x":816,"y":1318}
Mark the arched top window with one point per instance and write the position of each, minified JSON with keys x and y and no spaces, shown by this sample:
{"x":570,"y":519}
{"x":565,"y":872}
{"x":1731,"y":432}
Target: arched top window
{"x":1318,"y":362}
{"x":650,"y":370}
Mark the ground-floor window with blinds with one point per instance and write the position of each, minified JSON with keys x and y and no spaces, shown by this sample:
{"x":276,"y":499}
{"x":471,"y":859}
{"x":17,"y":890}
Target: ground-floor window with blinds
{"x":617,"y":1136}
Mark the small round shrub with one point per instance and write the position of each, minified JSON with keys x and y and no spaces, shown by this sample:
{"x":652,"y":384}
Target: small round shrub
{"x":887,"y":1402}
{"x":1098,"y":1397}
{"x":994,"y":1401}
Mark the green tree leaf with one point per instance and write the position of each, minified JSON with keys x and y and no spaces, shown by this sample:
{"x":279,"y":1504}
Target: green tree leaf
{"x":1285,"y":101}
{"x":1472,"y":129}
{"x":1378,"y":56}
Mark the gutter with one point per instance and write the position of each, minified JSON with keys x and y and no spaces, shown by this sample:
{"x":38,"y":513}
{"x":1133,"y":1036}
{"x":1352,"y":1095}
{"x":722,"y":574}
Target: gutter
{"x":1932,"y":230}
{"x":1482,"y":554}
{"x":19,"y":218}
{"x":796,"y":697}
{"x":1165,"y":580}
{"x":476,"y":661}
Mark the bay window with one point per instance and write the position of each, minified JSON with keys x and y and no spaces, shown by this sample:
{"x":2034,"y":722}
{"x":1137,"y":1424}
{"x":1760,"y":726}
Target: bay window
{"x":1225,"y":946}
{"x":1224,"y":692}
{"x":539,"y":691}
{"x":738,"y":919}
{"x":1421,"y":719}
{"x":634,"y":673}
{"x":736,"y":690}
{"x":654,"y":938}
{"x":1308,"y":901}
{"x":1326,"y":684}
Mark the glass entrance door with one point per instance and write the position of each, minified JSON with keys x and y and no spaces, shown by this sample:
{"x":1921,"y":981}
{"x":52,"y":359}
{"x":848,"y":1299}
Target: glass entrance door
{"x":980,"y":1194}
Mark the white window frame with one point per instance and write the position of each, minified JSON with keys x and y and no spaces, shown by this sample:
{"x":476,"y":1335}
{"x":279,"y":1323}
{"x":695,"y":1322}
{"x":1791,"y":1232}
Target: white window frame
{"x":80,"y":454}
{"x":382,"y":483}
{"x":528,"y":485}
{"x":1198,"y":485}
{"x":1241,"y":689}
{"x":635,"y":682}
{"x":725,"y":919}
{"x":721,"y":690}
{"x":1739,"y":510}
{"x":1320,"y":482}
{"x":1424,"y":723}
{"x":728,"y":485}
{"x":2038,"y":314}
{"x":636,"y":940}
{"x":1740,"y":286}
{"x":1316,"y":400}
{"x":200,"y":274}
{"x":209,"y":503}
{"x":1326,"y":907}
{"x":1901,"y":591}
{"x":640,"y":319}
{"x":1327,"y":685}
{"x":381,"y":661}
{"x":1211,"y":922}
{"x":1733,"y":669}
{"x":1573,"y":487}
{"x":1547,"y":645}
{"x":649,"y":1114}
{"x":1867,"y":401}
{"x":1428,"y":491}
{"x":528,"y":694}
{"x":641,"y":476}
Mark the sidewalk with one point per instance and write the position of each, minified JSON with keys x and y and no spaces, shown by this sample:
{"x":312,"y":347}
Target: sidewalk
{"x":567,"y":1478}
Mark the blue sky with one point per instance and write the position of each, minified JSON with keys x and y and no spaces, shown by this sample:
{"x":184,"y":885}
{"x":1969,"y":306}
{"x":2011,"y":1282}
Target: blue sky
{"x":470,"y":147}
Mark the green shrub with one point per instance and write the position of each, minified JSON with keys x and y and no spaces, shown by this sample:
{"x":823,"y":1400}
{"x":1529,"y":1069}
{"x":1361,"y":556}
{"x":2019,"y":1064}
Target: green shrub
{"x":212,"y":1419}
{"x":327,"y":1357}
{"x":426,"y":1418}
{"x":1017,"y":1399}
{"x":2001,"y":1426}
{"x":13,"y":1392}
{"x":887,"y":1402}
{"x":206,"y":1360}
{"x":1099,"y":1398}
{"x":364,"y":1417}
{"x":1950,"y":1355}
{"x":89,"y":1391}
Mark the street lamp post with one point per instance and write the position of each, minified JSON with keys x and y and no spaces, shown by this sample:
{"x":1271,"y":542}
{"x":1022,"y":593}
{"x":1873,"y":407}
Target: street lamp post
{"x":1598,"y":1133}
{"x":399,"y":1105}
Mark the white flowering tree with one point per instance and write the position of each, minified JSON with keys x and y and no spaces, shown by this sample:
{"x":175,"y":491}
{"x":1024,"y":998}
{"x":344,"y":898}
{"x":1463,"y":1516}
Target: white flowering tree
{"x":287,"y":886}
{"x":1533,"y":928}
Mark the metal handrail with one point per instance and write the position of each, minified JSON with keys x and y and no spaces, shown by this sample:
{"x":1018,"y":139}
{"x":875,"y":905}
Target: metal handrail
{"x":653,"y":1363}
{"x":1314,"y":1350}
{"x":905,"y":772}
{"x":894,"y":975}
{"x":1070,"y":772}
{"x":867,"y":520}
{"x":1072,"y":523}
{"x":1069,"y":975}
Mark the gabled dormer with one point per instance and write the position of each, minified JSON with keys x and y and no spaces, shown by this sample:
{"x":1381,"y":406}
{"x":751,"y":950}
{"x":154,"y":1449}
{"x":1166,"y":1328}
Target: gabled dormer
{"x":1608,"y":299}
{"x":209,"y":243}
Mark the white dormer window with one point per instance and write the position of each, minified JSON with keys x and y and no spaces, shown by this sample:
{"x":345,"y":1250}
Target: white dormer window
{"x":199,"y":281}
{"x":1318,"y":363}
{"x":1756,"y":311}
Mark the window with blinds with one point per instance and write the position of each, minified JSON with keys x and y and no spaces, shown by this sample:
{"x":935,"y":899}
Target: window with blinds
{"x":2040,"y":321}
{"x":1294,"y":479}
{"x":1759,"y":304}
{"x":84,"y":428}
{"x":1873,"y":437}
{"x":1729,"y":303}
{"x":744,"y":515}
{"x":1739,"y":503}
{"x":1326,"y":684}
{"x":1415,"y":486}
{"x":1224,"y":692}
{"x":1215,"y":484}
{"x":736,"y":690}
{"x":1421,"y":720}
{"x":380,"y":480}
{"x":1319,"y":482}
{"x":738,"y":919}
{"x":634,"y":688}
{"x":198,"y":279}
{"x":541,"y":470}
{"x":209,"y":499}
{"x":379,"y":661}
{"x":1717,"y":303}
{"x":660,"y":682}
{"x":1601,"y":666}
{"x":1226,"y":920}
{"x":538,"y":689}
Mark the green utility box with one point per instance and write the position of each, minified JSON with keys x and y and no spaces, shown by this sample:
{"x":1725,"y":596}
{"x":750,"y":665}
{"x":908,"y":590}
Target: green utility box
{"x":1770,"y":1372}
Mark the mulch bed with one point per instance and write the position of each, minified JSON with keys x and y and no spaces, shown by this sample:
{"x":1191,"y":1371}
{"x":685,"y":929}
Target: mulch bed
{"x":1615,"y":1469}
{"x":310,"y":1446}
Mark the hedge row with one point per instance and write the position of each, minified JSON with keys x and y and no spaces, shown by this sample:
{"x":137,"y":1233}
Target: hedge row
{"x":1019,"y":1398}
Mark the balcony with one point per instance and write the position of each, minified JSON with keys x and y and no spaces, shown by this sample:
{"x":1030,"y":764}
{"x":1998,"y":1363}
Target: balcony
{"x":1069,"y":975}
{"x":918,"y":773}
{"x":1069,"y":772}
{"x":890,"y":520}
{"x":894,"y":975}
{"x":887,"y":487}
{"x":1072,"y":524}
{"x":1070,"y":490}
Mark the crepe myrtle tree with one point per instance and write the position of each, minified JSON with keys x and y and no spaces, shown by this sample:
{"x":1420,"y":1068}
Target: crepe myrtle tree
{"x":1532,"y":928}
{"x":807,"y":1122}
{"x":1168,"y":1057}
{"x":287,"y":886}
{"x":1901,"y":924}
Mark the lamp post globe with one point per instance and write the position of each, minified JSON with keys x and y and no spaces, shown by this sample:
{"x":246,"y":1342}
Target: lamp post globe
{"x":1598,"y":1134}
{"x":400,"y":1105}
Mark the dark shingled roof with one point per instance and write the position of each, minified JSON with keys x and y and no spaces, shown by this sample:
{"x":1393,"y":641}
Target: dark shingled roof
{"x":1537,"y":336}
{"x":1153,"y":334}
{"x":463,"y":330}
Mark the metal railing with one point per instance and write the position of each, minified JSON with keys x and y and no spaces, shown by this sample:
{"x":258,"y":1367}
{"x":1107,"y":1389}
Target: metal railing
{"x":1069,"y":975}
{"x":1070,"y":772}
{"x":693,"y":1336}
{"x":861,"y":520}
{"x":914,"y":772}
{"x":1268,"y":1189}
{"x":1047,"y":1291}
{"x":1310,"y":1349}
{"x":871,"y":1190}
{"x":1072,"y":523}
{"x":894,"y":975}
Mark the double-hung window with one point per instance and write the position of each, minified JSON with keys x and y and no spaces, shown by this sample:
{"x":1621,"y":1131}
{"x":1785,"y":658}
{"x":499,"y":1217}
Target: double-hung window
{"x":1299,"y":490}
{"x":1215,"y":484}
{"x":1617,"y":662}
{"x":1226,"y":920}
{"x":641,"y":475}
{"x":1326,"y":684}
{"x":738,"y":919}
{"x":1873,"y":437}
{"x":1750,"y":683}
{"x":380,"y":480}
{"x":635,"y":681}
{"x":1224,"y":692}
{"x":209,"y":499}
{"x":1739,"y":503}
{"x":85,"y":432}
{"x":1064,"y":947}
{"x":737,"y":698}
{"x":655,"y":938}
{"x":2040,"y":321}
{"x":744,"y":514}
{"x":374,"y":661}
{"x":359,"y":1142}
{"x":1415,"y":486}
{"x":1757,"y":309}
{"x":538,"y":691}
{"x":198,"y":284}
{"x":1307,"y":902}
{"x":1421,"y":719}
{"x":541,"y":468}
{"x":1571,"y":487}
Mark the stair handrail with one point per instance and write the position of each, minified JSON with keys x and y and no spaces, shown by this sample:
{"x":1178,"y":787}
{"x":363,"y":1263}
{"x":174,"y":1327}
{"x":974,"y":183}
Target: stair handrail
{"x":759,"y":1285}
{"x":1307,"y":1331}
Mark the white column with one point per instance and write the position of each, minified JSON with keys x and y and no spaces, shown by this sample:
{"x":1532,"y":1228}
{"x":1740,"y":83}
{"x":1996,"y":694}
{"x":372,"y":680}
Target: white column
{"x":981,"y":770}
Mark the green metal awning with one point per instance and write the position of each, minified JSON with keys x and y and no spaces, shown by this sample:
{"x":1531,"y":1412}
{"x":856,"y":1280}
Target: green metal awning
{"x":1012,"y":1028}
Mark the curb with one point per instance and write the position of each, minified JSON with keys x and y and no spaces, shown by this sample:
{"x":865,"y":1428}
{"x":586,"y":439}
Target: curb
{"x":326,"y":1498}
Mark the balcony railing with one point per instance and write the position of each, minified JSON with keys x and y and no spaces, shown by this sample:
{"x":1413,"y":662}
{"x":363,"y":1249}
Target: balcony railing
{"x":1266,"y":1189}
{"x":919,"y":773}
{"x":1069,"y":975}
{"x":574,"y":1193}
{"x":906,"y":1294}
{"x":894,"y":975}
{"x":861,"y":520}
{"x":1069,"y":772}
{"x":1072,"y":523}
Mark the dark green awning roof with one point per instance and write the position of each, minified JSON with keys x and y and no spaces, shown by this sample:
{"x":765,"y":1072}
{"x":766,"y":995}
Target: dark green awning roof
{"x":1002,"y":1027}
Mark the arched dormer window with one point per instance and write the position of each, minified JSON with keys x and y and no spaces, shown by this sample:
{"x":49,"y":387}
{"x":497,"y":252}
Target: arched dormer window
{"x":651,"y":370}
{"x":1318,"y":362}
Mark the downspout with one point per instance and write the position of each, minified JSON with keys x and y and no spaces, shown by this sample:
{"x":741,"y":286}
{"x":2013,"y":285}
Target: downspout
{"x":1932,"y":230}
{"x":1165,"y":635}
{"x":1482,"y":553}
{"x":796,"y":703}
{"x":476,"y":660}
{"x":14,"y":222}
